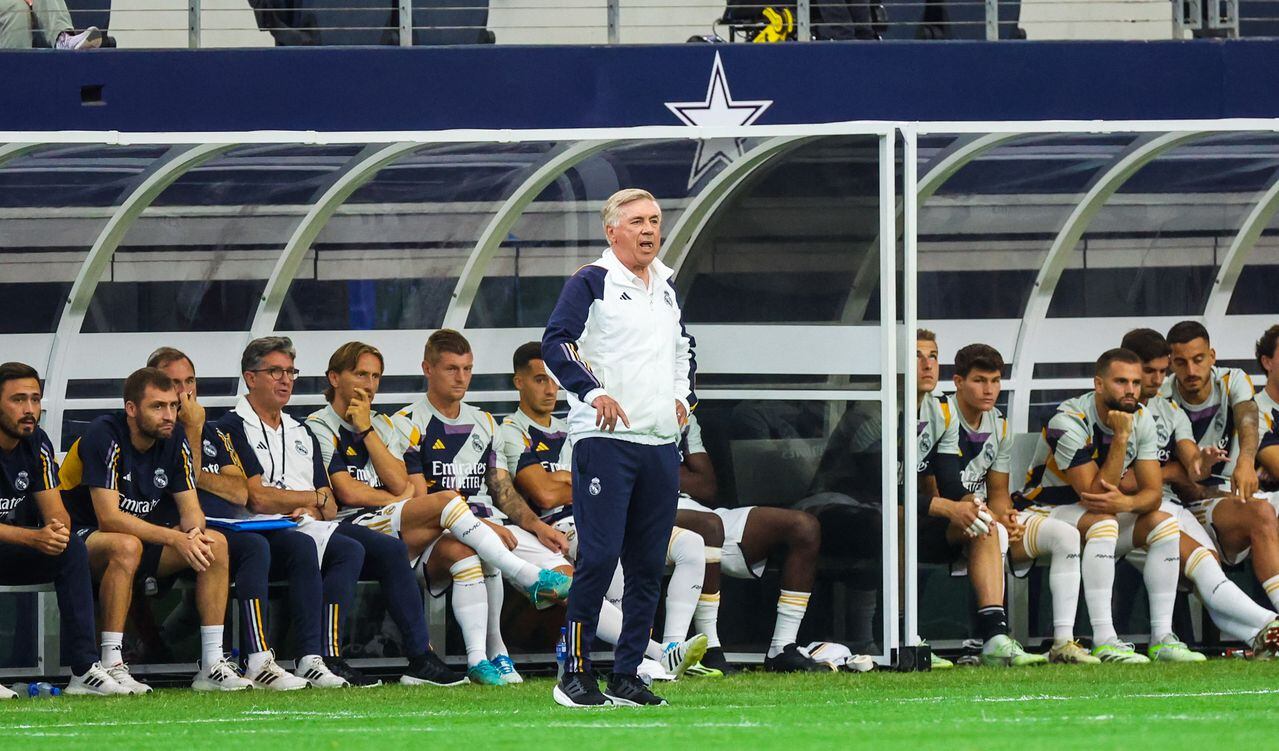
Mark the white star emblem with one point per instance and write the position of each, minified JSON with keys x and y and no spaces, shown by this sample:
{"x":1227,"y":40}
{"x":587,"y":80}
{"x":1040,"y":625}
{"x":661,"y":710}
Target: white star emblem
{"x":717,"y":109}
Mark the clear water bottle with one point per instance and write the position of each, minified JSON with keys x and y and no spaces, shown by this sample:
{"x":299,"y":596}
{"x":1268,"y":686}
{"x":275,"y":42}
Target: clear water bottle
{"x":41,"y":690}
{"x":561,"y":652}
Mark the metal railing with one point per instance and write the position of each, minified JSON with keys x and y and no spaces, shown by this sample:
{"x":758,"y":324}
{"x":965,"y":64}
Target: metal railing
{"x":255,"y":23}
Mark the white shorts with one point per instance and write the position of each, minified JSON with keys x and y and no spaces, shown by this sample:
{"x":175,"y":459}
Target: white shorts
{"x":530,"y":549}
{"x":732,"y":560}
{"x":1202,"y":512}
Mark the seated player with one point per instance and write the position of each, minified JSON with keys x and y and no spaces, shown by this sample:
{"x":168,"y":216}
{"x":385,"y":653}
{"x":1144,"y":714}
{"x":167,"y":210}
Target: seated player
{"x":1264,"y":532}
{"x":1183,"y":464}
{"x":1075,"y":477}
{"x":985,"y":452}
{"x":747,"y":536}
{"x":133,"y":474}
{"x":281,"y":459}
{"x":540,"y":459}
{"x":364,"y":454}
{"x":36,"y":544}
{"x":1225,"y":419}
{"x":257,"y":556}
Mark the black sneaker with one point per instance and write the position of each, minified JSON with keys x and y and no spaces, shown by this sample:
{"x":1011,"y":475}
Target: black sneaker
{"x":630,"y":691}
{"x":715,"y":660}
{"x":579,"y":691}
{"x":791,"y":660}
{"x":430,"y":669}
{"x":338,"y":667}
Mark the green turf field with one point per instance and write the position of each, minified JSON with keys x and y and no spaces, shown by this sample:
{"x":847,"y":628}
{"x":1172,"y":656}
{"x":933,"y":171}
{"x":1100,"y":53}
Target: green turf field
{"x":1223,"y":703}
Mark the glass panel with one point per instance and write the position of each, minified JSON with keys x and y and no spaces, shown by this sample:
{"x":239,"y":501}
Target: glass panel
{"x":391,"y":256}
{"x":560,"y":231}
{"x":53,"y":203}
{"x":789,"y":243}
{"x":1153,"y":249}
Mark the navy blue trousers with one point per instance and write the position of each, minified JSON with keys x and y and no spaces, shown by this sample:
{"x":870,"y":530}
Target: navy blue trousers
{"x":69,"y":572}
{"x":387,"y":561}
{"x":288,"y":555}
{"x":624,"y":497}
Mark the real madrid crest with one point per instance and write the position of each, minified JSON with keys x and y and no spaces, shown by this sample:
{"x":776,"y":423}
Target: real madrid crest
{"x":594,"y":488}
{"x":22,"y":481}
{"x":302,"y":448}
{"x":208,"y":449}
{"x":160,"y":480}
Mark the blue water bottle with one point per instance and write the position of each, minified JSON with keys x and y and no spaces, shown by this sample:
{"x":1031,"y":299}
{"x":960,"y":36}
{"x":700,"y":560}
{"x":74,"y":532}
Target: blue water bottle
{"x":561,"y":652}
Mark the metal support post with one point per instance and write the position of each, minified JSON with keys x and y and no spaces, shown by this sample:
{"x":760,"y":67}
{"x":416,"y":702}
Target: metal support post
{"x":193,"y":24}
{"x":614,"y":32}
{"x":406,"y":23}
{"x":992,"y":20}
{"x":804,"y":20}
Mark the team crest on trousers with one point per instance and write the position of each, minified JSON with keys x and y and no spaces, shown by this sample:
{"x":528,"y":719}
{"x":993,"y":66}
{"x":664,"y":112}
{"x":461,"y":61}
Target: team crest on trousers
{"x":594,"y":488}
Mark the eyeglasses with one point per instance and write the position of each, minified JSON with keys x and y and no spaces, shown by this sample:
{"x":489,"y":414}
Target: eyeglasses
{"x":277,"y":373}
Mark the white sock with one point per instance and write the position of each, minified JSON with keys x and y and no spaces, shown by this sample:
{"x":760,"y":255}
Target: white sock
{"x":1098,"y":572}
{"x":1163,"y":566}
{"x":112,"y":643}
{"x":790,"y":612}
{"x":210,"y":645}
{"x":609,"y":629}
{"x":471,"y":607}
{"x":616,"y":589}
{"x":255,"y":661}
{"x":1055,"y":538}
{"x":1233,"y":611}
{"x":687,"y":551}
{"x":467,"y":528}
{"x":496,"y":591}
{"x":706,"y":618}
{"x":1271,"y":586}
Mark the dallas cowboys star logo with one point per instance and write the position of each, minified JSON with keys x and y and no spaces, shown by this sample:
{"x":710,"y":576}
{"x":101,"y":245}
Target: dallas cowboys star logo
{"x":717,"y":109}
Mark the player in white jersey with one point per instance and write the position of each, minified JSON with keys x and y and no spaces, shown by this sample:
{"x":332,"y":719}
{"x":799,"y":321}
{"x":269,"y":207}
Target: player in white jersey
{"x":954,"y":522}
{"x":985,"y":450}
{"x":1183,"y":465}
{"x":1264,"y":529}
{"x":539,"y":457}
{"x":1079,"y":463}
{"x":365,"y":456}
{"x":1225,"y":419}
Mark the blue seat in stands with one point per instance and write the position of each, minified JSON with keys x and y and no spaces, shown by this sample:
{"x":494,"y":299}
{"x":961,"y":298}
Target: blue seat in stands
{"x":451,"y":22}
{"x":349,"y":22}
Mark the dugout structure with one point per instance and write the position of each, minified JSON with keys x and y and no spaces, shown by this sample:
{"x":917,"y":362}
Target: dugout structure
{"x":794,"y":245}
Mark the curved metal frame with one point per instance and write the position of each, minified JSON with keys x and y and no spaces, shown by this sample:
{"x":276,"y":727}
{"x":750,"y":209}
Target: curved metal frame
{"x":363,"y":167}
{"x":177,"y":162}
{"x":1104,"y":185}
{"x":1232,"y":264}
{"x":950,"y":161}
{"x":504,"y":219}
{"x":704,"y":206}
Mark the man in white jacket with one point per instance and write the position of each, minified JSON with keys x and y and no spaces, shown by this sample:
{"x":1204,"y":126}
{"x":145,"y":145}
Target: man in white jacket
{"x":616,"y":343}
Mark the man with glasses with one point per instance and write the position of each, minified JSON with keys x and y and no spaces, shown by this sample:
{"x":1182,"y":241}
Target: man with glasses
{"x":286,"y":475}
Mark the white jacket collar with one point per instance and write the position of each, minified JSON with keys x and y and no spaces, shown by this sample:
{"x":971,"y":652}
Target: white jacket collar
{"x":245,"y":411}
{"x":660,"y":271}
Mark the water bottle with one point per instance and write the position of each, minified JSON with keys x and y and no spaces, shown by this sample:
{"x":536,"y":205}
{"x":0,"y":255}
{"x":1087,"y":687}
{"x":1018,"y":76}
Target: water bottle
{"x":561,"y":652}
{"x":41,"y":690}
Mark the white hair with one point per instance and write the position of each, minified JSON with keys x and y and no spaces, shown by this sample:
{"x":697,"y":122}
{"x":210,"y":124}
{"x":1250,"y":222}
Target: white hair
{"x":612,"y":209}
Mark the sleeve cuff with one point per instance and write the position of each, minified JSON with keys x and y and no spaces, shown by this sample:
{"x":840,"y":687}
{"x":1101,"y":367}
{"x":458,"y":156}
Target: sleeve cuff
{"x":592,"y":395}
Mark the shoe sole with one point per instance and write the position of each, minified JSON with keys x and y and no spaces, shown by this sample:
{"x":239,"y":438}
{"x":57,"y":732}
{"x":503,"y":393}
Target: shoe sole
{"x":69,"y":691}
{"x":273,"y":687}
{"x":696,"y":651}
{"x":619,"y":701}
{"x":563,"y":700}
{"x":409,"y":680}
{"x":212,"y":687}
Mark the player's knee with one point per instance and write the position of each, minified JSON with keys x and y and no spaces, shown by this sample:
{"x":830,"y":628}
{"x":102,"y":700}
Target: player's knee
{"x":1056,"y":536}
{"x":687,"y":547}
{"x":709,"y":526}
{"x":124,"y":552}
{"x":1164,"y":528}
{"x":804,"y":532}
{"x":451,"y":550}
{"x":1104,"y":528}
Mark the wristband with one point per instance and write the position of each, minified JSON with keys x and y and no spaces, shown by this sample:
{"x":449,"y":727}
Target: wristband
{"x":360,"y":436}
